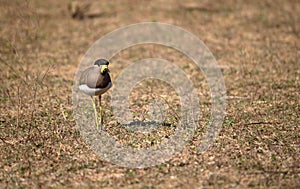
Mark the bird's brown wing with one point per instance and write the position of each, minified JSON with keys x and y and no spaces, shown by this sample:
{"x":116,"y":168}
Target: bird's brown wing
{"x":84,"y":76}
{"x":93,"y":78}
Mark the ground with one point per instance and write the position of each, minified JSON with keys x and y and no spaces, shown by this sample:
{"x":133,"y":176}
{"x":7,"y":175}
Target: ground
{"x":256,"y":43}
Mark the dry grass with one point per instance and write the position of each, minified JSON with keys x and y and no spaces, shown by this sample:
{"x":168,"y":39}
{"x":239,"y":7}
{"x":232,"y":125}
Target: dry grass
{"x":255,"y":42}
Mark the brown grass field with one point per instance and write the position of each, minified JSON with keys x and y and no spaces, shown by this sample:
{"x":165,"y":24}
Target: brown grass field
{"x":256,"y":44}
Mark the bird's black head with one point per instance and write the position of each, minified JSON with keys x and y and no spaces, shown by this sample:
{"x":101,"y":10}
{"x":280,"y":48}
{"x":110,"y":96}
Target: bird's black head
{"x":103,"y":64}
{"x":100,"y":62}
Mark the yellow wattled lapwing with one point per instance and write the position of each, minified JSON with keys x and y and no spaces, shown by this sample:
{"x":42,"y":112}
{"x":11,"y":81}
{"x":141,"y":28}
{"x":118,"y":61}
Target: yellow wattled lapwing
{"x":95,"y":81}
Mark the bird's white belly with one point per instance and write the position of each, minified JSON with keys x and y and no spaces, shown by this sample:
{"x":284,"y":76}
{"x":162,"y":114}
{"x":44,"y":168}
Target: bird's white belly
{"x":94,"y":91}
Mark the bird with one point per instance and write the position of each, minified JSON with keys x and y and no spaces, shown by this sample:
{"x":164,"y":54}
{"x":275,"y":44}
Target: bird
{"x":95,"y":81}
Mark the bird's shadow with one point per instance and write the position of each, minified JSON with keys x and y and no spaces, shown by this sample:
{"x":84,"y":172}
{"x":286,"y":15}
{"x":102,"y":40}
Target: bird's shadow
{"x":145,"y":125}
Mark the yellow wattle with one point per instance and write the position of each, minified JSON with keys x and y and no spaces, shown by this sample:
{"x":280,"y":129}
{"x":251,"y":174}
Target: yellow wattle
{"x":103,"y":68}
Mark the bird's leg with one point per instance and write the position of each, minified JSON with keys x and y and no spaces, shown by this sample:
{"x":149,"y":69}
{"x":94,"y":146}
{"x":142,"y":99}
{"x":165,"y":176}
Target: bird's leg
{"x":95,"y":111}
{"x":100,"y":111}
